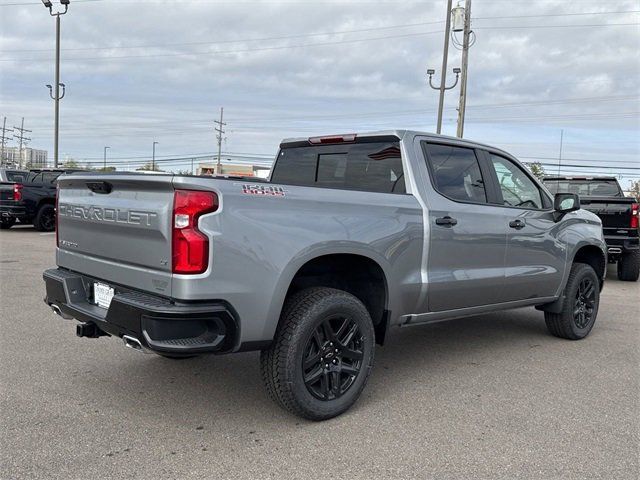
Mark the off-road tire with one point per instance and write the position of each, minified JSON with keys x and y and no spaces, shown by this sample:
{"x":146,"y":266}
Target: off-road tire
{"x":629,"y":266}
{"x":566,"y":324}
{"x":7,"y":223}
{"x":45,"y":219}
{"x":281,"y":365}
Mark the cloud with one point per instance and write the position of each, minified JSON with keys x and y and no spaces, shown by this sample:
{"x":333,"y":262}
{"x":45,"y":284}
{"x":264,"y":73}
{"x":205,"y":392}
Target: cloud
{"x":192,"y":57}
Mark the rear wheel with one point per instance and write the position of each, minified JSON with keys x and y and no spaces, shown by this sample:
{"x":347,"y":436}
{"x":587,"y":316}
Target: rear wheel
{"x":580,"y":307}
{"x":45,"y":220}
{"x":7,"y":223}
{"x":629,"y":266}
{"x":322,"y":354}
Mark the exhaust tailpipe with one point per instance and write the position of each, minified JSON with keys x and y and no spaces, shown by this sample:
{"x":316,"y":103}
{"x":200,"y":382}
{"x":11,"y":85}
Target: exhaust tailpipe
{"x":614,"y":250}
{"x":132,"y":342}
{"x":56,"y":309}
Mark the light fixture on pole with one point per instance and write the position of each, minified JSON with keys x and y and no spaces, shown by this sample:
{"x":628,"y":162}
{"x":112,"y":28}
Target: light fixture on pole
{"x":56,"y":97}
{"x":442,"y":89}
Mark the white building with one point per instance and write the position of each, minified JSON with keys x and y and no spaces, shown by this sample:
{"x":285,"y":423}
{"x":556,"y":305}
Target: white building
{"x":30,"y":157}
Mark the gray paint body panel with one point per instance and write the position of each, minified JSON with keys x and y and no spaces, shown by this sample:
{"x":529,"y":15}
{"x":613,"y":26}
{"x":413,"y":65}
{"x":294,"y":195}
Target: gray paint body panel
{"x":258,"y":243}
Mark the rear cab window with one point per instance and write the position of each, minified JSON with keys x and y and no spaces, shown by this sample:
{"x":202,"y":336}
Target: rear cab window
{"x":369,"y":165}
{"x":585,"y":187}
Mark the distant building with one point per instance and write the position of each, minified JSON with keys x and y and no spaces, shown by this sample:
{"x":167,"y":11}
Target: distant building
{"x":30,"y":157}
{"x":243,"y":169}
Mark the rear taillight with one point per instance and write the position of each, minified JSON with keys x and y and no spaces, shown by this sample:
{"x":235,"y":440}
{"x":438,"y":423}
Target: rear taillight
{"x":17,"y":192}
{"x":190,"y":249}
{"x":634,"y":215}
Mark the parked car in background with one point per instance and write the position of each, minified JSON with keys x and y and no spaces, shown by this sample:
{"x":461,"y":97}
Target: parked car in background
{"x":30,"y":198}
{"x":13,"y":175}
{"x":350,"y":235}
{"x":619,"y":214}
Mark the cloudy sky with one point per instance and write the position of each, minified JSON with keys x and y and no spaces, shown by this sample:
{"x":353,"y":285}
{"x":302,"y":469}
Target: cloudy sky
{"x":139,"y":71}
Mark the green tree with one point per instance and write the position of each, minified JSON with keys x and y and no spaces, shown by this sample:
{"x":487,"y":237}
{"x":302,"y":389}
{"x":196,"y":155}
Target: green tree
{"x":147,"y":167}
{"x":537,"y":169}
{"x":71,"y":163}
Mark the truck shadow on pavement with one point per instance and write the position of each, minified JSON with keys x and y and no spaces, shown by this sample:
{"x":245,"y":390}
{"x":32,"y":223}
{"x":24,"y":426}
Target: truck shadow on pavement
{"x":229,"y":388}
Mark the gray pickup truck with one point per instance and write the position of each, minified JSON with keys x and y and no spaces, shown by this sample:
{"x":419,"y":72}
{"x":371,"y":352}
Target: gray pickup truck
{"x":351,"y":234}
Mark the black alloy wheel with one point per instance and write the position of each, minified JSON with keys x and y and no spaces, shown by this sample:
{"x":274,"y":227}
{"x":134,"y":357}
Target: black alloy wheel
{"x":332,"y":358}
{"x":585,"y":303}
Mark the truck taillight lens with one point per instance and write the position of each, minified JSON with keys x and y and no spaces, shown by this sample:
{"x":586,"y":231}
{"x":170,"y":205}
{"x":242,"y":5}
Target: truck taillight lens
{"x":17,"y":192}
{"x":57,"y":216}
{"x":634,"y":215}
{"x":190,"y":249}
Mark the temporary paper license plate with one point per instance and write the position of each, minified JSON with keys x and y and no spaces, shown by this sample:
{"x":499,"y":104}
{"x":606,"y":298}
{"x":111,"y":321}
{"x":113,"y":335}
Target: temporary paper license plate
{"x":102,"y":294}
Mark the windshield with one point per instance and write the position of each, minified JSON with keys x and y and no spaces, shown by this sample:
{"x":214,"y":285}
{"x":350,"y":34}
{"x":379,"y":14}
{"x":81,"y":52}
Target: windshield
{"x":587,"y":188}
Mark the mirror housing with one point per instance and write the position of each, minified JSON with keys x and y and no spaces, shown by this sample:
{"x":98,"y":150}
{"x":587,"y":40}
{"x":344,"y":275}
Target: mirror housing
{"x":566,"y":202}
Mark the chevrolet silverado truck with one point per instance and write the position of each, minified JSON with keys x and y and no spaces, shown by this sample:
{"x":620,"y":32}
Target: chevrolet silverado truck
{"x":619,"y":214}
{"x":350,"y":235}
{"x":30,"y":199}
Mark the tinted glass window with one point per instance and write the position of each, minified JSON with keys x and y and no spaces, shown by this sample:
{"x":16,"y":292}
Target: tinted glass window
{"x":370,"y":167}
{"x":16,"y":176}
{"x":595,"y":188}
{"x":456,"y":173}
{"x":50,"y":177}
{"x":518,"y":190}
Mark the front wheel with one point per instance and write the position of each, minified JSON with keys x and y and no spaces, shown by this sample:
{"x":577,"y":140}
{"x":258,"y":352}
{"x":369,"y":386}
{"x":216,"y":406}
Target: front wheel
{"x":322,"y":354}
{"x":629,"y":266}
{"x":580,"y":304}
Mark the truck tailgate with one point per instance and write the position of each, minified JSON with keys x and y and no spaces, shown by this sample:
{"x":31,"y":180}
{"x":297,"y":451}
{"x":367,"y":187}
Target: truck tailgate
{"x":615,"y":213}
{"x":117,"y":228}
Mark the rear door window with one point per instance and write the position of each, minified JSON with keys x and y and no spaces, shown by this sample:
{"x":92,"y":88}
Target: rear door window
{"x":456,"y":172}
{"x":369,"y":167}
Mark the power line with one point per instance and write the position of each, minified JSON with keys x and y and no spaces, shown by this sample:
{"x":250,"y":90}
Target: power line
{"x":22,"y":139}
{"x":319,"y":44}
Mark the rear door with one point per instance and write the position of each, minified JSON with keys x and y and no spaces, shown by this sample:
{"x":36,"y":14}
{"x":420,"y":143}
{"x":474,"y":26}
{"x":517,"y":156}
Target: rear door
{"x":467,"y":241}
{"x":536,"y":257}
{"x":117,"y":228}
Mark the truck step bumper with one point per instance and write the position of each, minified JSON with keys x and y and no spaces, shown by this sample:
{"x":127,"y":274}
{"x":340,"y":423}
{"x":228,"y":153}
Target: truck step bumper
{"x":158,"y":324}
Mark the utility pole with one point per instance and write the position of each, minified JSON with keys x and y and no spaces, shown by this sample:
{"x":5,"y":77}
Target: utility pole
{"x":57,"y":97}
{"x":153,"y":158}
{"x":443,"y":73}
{"x":465,"y":64}
{"x":219,"y":132}
{"x":21,"y":139}
{"x":560,"y":154}
{"x":104,"y":167}
{"x":3,"y":139}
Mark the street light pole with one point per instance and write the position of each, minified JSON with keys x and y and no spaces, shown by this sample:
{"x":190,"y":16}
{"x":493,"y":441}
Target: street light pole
{"x":153,"y":159}
{"x":462,"y":105}
{"x":443,"y":74}
{"x":57,"y":97}
{"x":105,"y":159}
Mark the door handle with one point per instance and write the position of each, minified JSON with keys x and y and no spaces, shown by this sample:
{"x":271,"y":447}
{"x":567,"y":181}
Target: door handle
{"x":517,"y":224}
{"x":446,"y":221}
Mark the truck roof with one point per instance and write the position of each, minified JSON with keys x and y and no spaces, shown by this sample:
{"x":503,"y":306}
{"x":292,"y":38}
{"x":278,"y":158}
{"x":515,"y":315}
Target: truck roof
{"x":400,"y":134}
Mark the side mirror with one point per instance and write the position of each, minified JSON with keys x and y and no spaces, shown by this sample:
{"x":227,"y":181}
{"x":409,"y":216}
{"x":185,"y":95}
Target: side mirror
{"x":566,"y":202}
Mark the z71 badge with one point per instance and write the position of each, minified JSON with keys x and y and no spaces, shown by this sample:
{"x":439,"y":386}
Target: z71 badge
{"x":264,"y":190}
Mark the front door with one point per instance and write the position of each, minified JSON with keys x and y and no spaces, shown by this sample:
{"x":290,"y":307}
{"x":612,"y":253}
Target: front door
{"x":535,"y":259}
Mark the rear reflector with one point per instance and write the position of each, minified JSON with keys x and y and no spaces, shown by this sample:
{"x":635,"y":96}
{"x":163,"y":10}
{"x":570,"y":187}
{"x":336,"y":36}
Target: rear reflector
{"x":350,"y":138}
{"x":190,"y":247}
{"x":17,"y":192}
{"x":634,"y":215}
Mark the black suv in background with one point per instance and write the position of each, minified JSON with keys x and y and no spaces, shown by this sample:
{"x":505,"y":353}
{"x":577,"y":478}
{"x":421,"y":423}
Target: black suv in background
{"x":619,"y":214}
{"x":30,"y":197}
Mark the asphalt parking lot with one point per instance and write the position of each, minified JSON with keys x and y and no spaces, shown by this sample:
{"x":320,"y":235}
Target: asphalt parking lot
{"x":492,"y":396}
